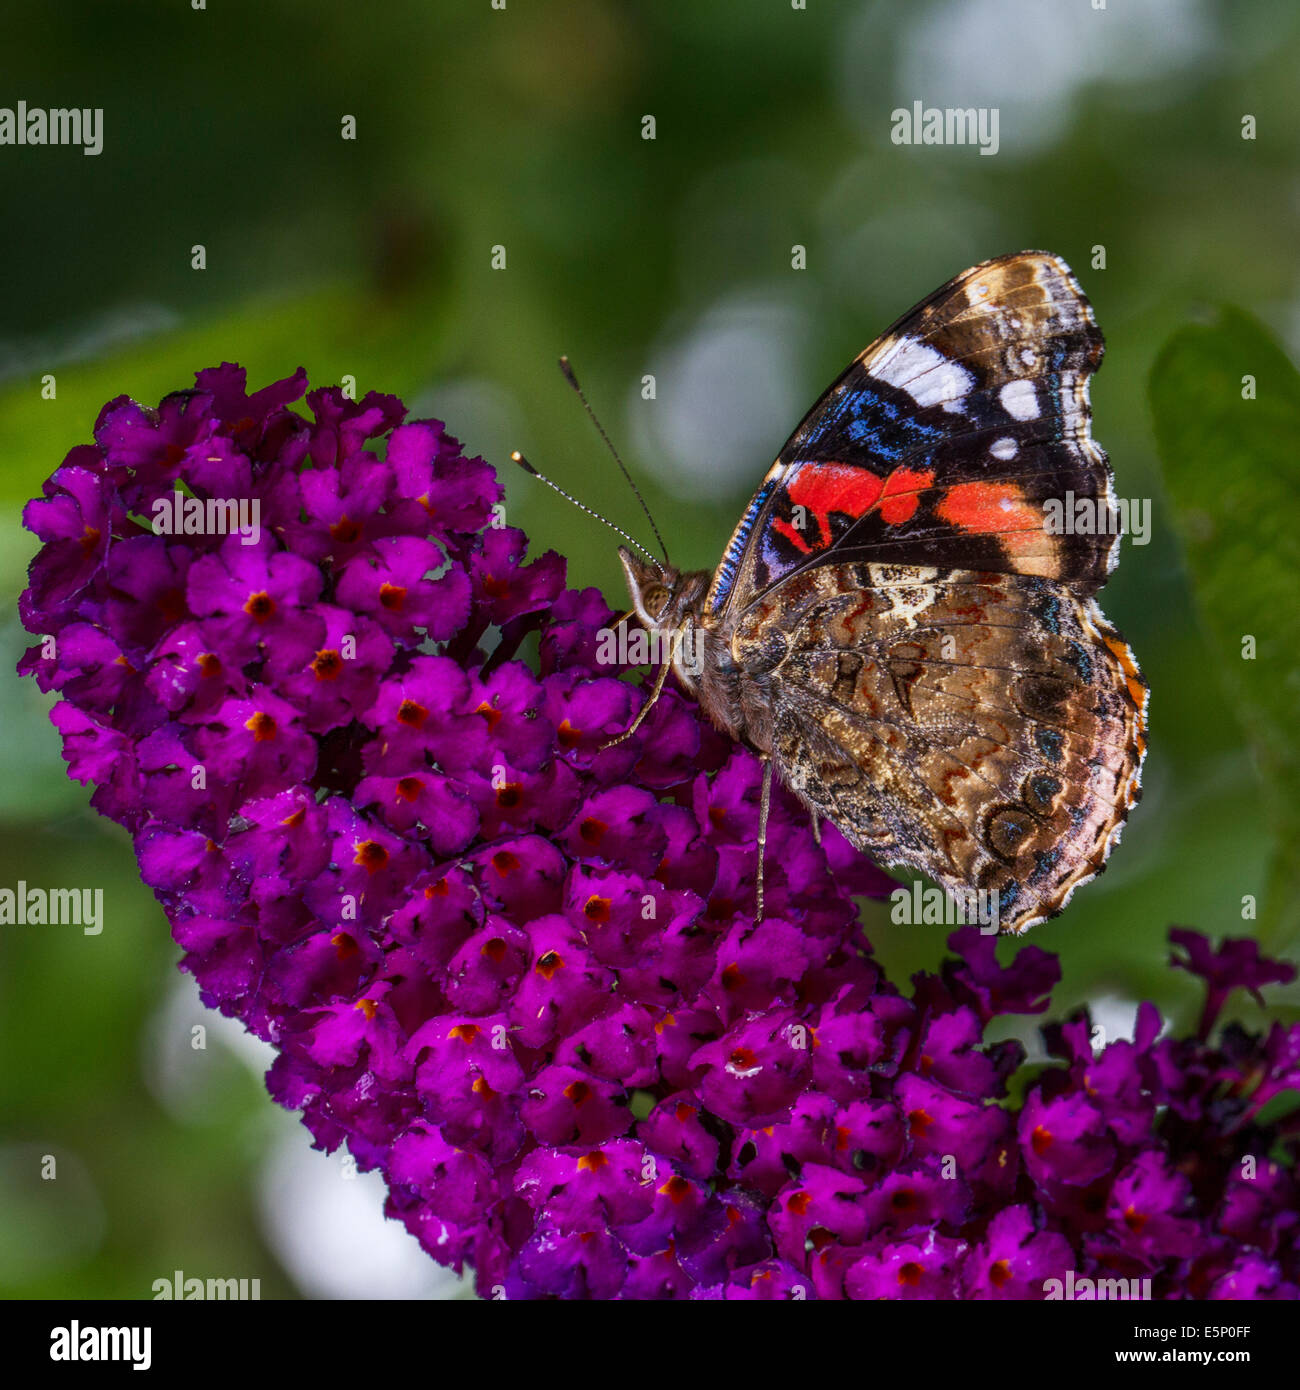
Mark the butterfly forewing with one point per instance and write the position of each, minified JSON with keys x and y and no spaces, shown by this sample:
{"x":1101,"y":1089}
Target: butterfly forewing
{"x":942,"y":441}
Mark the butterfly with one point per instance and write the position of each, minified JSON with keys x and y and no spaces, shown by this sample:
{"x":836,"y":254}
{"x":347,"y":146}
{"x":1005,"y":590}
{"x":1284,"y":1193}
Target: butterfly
{"x":898,"y":629}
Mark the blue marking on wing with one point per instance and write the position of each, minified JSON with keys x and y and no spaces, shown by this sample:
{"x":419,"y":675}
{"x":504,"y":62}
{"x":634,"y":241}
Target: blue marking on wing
{"x":871,"y":421}
{"x":736,"y":548}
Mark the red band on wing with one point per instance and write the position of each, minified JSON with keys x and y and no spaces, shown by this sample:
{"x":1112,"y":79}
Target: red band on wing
{"x":824,"y":488}
{"x":991,"y":509}
{"x":899,"y":501}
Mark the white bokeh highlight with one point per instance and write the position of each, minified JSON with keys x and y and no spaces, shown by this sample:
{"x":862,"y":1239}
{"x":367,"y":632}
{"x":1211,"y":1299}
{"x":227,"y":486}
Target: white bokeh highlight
{"x":1032,"y":60}
{"x":328,"y":1231}
{"x":728,"y":395}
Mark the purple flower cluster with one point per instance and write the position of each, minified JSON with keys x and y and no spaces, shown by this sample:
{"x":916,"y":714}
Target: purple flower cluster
{"x":516,"y":969}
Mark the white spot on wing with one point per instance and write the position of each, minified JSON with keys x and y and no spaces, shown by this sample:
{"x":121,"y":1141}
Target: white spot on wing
{"x":924,"y":373}
{"x":1004,"y":448}
{"x":1019,"y":400}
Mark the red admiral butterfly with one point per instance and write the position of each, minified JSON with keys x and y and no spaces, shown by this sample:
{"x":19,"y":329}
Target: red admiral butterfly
{"x":897,"y":630}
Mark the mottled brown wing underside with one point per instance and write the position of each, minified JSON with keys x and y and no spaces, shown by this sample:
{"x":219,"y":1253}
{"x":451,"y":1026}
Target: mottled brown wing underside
{"x":986,"y":729}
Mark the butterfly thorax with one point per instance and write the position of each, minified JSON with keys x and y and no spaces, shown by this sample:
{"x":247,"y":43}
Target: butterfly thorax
{"x":672,"y":603}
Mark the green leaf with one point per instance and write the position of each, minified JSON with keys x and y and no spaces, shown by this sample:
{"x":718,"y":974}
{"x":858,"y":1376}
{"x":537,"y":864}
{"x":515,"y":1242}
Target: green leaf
{"x":331,"y":332}
{"x":1232,"y":474}
{"x":1277,"y":1108}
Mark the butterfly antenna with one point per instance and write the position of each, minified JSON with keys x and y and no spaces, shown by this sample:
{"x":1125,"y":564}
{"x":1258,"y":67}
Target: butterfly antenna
{"x":582,"y":507}
{"x":586,"y":405}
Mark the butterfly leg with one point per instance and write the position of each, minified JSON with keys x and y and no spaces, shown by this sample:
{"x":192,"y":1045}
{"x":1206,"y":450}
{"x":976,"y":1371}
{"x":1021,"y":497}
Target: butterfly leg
{"x":816,"y":826}
{"x":763,"y":807}
{"x":654,"y":695}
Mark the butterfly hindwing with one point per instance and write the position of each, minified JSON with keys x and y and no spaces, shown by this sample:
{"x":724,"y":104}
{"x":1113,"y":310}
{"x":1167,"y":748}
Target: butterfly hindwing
{"x":987,"y":729}
{"x":941,"y":443}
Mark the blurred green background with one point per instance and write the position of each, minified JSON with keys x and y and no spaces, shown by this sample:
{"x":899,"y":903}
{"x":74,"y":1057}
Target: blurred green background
{"x":522,"y":127}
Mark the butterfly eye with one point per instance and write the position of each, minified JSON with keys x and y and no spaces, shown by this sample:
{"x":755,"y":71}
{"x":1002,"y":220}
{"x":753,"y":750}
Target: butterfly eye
{"x":655,"y":600}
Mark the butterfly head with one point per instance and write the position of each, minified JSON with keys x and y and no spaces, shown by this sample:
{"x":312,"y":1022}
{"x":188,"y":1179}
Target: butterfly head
{"x":662,"y":597}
